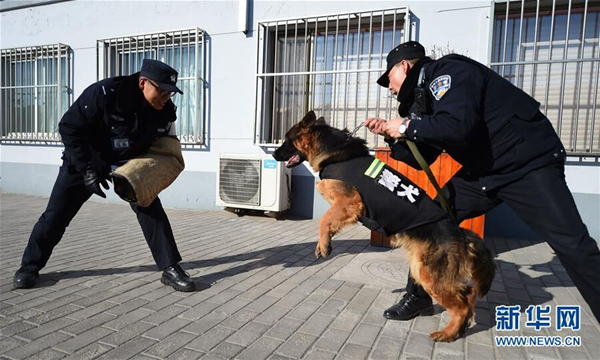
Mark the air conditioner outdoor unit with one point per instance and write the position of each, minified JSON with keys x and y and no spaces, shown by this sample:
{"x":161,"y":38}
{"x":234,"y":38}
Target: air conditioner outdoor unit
{"x":256,"y":182}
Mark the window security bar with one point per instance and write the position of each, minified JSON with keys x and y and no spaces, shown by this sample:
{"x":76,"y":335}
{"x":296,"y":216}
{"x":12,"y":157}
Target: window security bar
{"x":34,"y":91}
{"x":327,"y":63}
{"x":550,"y":49}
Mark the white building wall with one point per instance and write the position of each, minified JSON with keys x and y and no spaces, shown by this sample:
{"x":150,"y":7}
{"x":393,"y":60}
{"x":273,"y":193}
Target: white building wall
{"x":462,"y":25}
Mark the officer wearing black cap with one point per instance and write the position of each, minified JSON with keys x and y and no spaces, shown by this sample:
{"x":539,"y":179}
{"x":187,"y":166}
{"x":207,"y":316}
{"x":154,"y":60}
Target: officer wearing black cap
{"x":508,"y":150}
{"x":113,"y":120}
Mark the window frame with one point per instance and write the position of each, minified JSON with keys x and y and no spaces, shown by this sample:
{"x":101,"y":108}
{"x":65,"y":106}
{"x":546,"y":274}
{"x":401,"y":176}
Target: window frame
{"x":569,"y":122}
{"x":267,"y":57}
{"x":37,"y":83}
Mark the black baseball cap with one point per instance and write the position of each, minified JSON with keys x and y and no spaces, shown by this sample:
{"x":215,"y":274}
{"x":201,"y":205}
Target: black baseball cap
{"x":161,"y":73}
{"x":405,"y":51}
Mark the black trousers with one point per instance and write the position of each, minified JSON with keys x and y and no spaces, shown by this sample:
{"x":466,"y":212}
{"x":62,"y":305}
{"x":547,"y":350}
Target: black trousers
{"x":543,"y":201}
{"x":68,"y":195}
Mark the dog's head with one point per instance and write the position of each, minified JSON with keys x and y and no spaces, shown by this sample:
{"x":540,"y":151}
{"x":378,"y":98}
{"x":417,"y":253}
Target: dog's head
{"x":313,"y":140}
{"x":299,"y":144}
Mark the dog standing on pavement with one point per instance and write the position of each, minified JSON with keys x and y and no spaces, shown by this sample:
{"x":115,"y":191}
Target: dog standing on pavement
{"x":451,"y":263}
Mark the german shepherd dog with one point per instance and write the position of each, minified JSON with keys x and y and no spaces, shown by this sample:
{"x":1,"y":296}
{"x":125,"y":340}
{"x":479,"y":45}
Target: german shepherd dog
{"x":451,"y":263}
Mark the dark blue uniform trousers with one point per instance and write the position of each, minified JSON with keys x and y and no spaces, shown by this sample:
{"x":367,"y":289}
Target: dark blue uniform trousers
{"x":543,"y":201}
{"x":68,"y":195}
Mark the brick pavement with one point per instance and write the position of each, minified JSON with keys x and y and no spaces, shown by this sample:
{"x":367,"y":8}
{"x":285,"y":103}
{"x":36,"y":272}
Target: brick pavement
{"x":264,"y":295}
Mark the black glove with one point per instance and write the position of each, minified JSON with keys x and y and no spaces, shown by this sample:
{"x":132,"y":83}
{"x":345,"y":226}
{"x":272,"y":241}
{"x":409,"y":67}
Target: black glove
{"x":92,"y":182}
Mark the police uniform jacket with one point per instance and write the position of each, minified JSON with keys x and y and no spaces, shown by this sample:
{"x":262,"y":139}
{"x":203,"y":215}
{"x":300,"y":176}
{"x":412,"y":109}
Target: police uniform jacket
{"x":381,"y":189}
{"x":109,"y":124}
{"x":491,"y":127}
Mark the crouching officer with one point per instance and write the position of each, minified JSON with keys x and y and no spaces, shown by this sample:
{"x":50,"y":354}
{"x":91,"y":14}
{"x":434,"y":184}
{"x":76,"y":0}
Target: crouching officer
{"x":508,"y":150}
{"x":113,"y":120}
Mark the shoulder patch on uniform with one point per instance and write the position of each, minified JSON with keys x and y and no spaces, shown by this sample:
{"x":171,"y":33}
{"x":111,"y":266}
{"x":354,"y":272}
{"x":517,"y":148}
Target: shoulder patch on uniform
{"x":440,"y":86}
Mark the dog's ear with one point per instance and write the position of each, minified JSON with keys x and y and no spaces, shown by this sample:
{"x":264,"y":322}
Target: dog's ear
{"x":309,"y":119}
{"x":321,"y":121}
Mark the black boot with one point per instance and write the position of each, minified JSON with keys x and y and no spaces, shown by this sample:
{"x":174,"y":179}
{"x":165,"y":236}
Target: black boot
{"x":177,"y":278}
{"x":410,"y":307}
{"x":25,"y":280}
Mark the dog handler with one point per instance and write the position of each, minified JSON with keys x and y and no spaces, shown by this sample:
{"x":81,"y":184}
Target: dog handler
{"x":508,"y":150}
{"x":113,"y":120}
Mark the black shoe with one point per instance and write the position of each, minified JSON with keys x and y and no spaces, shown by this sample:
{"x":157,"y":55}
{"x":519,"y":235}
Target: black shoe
{"x":410,"y":307}
{"x":177,"y":278}
{"x":24,"y":280}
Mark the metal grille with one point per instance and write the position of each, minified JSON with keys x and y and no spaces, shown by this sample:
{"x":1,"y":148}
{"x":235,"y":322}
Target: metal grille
{"x":185,"y":51}
{"x":550,"y":50}
{"x":34,"y":91}
{"x":239,"y":181}
{"x":327,"y":63}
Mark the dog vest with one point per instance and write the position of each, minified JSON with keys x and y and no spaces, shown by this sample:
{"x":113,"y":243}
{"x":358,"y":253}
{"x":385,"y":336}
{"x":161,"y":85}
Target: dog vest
{"x":392,"y":202}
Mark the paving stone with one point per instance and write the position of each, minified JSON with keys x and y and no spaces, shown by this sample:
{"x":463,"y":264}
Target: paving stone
{"x":354,"y":352}
{"x":46,"y":328}
{"x":365,"y":335}
{"x":296,"y":345}
{"x":346,"y":292}
{"x":165,"y":329}
{"x":206,"y":323}
{"x":272,"y":314}
{"x":248,"y":334}
{"x":36,"y":346}
{"x":48,"y":354}
{"x":88,"y":324}
{"x":199,"y":311}
{"x":332,"y":340}
{"x":477,"y":351}
{"x":53,"y":314}
{"x":260,"y":350}
{"x":419,"y":344}
{"x":284,"y":328}
{"x":127,"y":319}
{"x":170,"y":344}
{"x":262,"y":303}
{"x":387,"y":348}
{"x":185,"y":354}
{"x":304,"y":310}
{"x":128,"y":349}
{"x":316,"y":324}
{"x":127,"y":333}
{"x":347,"y":320}
{"x":9,"y":343}
{"x":319,"y":355}
{"x":162,"y":315}
{"x":127,"y":307}
{"x":427,"y":324}
{"x":84,"y":339}
{"x":16,"y":328}
{"x":227,"y":350}
{"x":292,"y":299}
{"x":210,"y":339}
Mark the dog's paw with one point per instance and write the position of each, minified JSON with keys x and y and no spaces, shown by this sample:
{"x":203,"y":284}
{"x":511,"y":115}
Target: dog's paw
{"x":322,"y":251}
{"x":442,"y":336}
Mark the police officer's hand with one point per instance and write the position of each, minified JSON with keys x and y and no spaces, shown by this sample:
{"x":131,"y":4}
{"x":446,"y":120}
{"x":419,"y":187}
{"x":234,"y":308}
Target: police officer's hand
{"x":376,"y":125}
{"x":391,"y":127}
{"x":92,"y":182}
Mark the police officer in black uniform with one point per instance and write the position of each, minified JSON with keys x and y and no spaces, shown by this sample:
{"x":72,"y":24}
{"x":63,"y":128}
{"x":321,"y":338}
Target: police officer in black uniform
{"x":113,"y":120}
{"x":508,"y":150}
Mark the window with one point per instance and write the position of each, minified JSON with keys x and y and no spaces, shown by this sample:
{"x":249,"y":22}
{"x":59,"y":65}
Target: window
{"x":329,"y":64}
{"x":550,"y":50}
{"x":34,"y":91}
{"x":185,"y":51}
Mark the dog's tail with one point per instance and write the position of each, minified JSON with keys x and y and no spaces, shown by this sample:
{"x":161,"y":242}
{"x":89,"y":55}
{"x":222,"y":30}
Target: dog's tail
{"x":481,"y":262}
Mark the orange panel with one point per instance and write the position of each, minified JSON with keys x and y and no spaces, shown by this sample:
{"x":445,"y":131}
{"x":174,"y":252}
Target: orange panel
{"x":443,"y":169}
